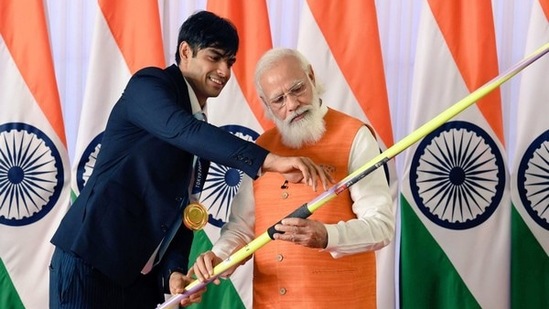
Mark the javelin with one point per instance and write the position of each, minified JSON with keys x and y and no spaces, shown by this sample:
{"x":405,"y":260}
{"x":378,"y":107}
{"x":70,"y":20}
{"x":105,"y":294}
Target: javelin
{"x":307,"y":209}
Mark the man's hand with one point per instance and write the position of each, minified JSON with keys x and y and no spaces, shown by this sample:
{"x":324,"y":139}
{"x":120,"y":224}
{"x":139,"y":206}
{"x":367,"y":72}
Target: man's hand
{"x":305,"y":232}
{"x":297,"y":170}
{"x":203,"y":268}
{"x":178,"y":281}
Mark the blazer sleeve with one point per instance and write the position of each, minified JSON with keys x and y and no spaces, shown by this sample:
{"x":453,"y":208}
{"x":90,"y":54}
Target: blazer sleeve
{"x":176,"y":257}
{"x":157,"y":106}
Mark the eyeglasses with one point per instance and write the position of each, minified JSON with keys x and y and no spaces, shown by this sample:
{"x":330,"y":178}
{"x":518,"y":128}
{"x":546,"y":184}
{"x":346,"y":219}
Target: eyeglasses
{"x":297,"y":90}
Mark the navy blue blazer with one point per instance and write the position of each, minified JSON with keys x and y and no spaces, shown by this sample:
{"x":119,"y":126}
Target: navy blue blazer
{"x":142,"y":175}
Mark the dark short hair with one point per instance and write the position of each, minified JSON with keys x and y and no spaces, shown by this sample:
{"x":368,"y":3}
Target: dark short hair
{"x":205,"y":29}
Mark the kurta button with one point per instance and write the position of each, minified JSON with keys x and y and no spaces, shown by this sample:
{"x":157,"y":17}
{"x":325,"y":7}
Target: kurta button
{"x":282,"y":291}
{"x":179,"y":198}
{"x":164,"y":228}
{"x":279,"y":257}
{"x":285,"y":195}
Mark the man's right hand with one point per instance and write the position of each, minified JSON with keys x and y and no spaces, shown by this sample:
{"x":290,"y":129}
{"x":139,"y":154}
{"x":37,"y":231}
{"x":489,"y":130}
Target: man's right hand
{"x":297,"y":170}
{"x":203,"y":268}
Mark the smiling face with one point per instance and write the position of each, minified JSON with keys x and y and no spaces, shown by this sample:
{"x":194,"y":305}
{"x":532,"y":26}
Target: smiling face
{"x":208,"y":71}
{"x":292,"y":100}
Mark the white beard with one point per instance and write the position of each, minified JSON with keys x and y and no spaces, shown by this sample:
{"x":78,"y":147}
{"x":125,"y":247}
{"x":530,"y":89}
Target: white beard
{"x":308,"y":130}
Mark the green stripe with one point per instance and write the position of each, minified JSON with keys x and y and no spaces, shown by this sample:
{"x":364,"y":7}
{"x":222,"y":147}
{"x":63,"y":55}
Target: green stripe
{"x":216,"y":296}
{"x":529,"y":267}
{"x":9,"y":298}
{"x":427,"y":277}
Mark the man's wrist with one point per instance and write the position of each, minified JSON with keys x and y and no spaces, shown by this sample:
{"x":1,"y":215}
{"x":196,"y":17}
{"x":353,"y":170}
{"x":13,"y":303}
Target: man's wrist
{"x":177,"y":270}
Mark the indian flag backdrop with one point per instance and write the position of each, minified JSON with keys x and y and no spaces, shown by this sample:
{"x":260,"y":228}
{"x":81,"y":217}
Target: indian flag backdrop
{"x":127,"y":37}
{"x":34,"y":169}
{"x":341,"y":40}
{"x":239,"y":104}
{"x":530,"y":176}
{"x":455,"y":204}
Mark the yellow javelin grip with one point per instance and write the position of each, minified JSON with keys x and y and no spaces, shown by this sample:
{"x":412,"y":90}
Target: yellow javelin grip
{"x":364,"y":170}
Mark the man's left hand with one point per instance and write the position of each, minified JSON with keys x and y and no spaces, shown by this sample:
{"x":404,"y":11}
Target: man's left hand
{"x":305,"y":232}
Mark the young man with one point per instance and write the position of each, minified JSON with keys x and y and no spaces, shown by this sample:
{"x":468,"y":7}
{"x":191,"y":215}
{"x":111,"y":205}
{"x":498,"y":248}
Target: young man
{"x":333,"y":250}
{"x":111,"y":247}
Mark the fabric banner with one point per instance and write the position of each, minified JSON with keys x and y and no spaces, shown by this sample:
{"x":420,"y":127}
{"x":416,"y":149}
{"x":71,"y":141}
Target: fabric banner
{"x":455,"y":204}
{"x":530,"y":218}
{"x":126,"y":38}
{"x":34,"y":168}
{"x":354,"y":84}
{"x":239,"y":111}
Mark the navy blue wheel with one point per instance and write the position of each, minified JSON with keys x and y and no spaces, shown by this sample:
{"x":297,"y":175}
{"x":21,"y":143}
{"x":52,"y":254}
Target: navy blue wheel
{"x":533,"y":180}
{"x":457,"y":176}
{"x":31,"y":174}
{"x":87,"y":161}
{"x":223,"y":182}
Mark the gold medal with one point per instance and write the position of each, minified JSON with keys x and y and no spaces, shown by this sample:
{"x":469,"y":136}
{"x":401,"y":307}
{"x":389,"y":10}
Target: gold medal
{"x":195,"y":216}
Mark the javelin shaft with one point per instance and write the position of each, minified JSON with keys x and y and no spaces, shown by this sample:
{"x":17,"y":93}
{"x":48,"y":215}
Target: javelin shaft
{"x":306,"y":210}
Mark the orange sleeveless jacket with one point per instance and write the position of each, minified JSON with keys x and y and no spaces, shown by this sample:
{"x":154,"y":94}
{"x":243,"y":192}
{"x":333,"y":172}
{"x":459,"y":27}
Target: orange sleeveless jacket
{"x":292,"y":276}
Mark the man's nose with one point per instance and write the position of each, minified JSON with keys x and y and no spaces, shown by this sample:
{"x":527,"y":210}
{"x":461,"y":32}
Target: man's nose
{"x":292,"y":102}
{"x":224,"y":69}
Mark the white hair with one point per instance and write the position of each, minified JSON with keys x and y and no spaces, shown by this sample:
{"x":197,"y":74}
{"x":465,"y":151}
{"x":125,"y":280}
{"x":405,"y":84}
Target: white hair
{"x":272,"y":57}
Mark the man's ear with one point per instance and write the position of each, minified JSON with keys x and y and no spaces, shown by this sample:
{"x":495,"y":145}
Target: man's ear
{"x":311,"y":74}
{"x":185,"y":51}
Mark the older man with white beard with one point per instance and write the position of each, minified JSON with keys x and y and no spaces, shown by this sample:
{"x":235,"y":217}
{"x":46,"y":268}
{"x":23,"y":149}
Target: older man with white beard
{"x":328,"y":259}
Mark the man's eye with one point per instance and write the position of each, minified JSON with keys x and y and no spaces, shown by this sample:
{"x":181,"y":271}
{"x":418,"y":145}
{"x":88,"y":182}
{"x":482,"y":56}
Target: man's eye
{"x":277,"y":100}
{"x":298,"y":89}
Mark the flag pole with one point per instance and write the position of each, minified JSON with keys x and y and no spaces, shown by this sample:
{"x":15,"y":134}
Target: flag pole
{"x":307,"y":209}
